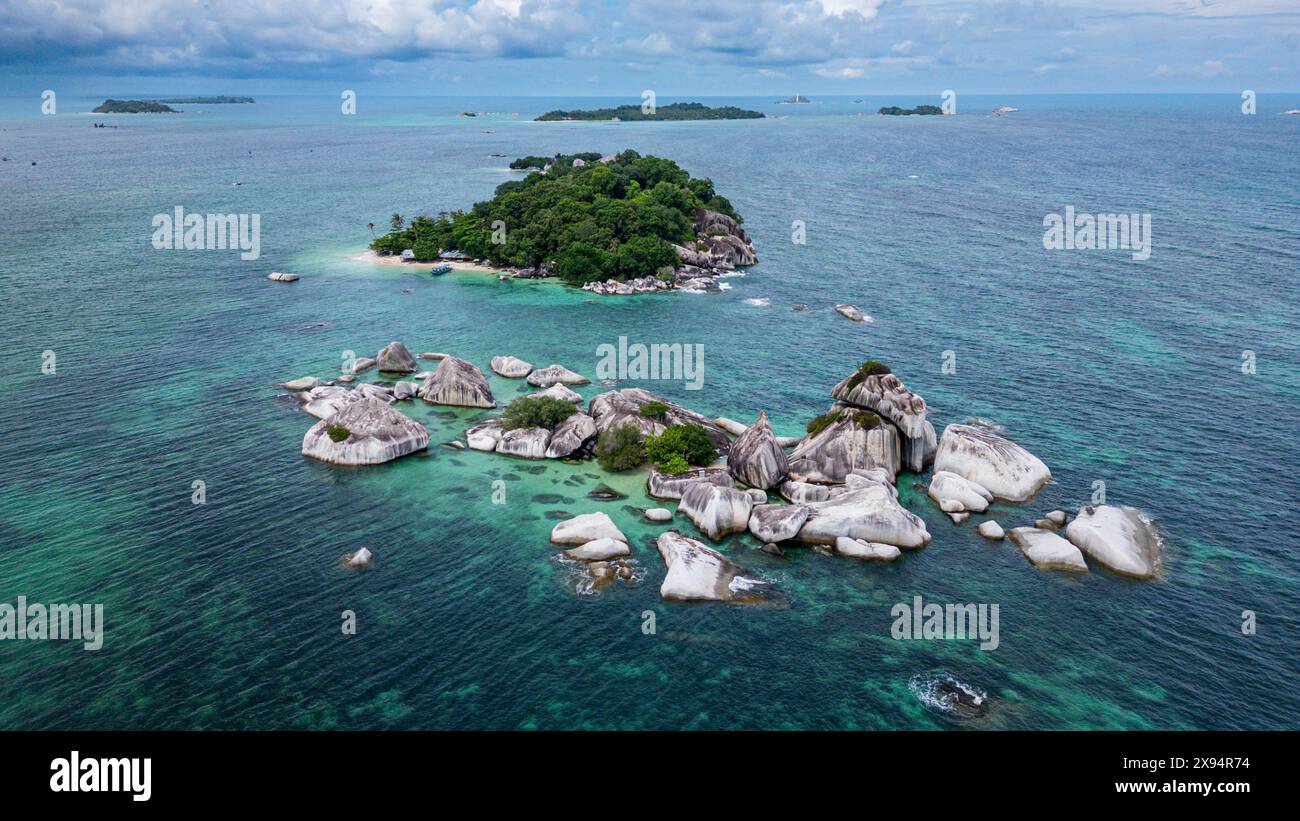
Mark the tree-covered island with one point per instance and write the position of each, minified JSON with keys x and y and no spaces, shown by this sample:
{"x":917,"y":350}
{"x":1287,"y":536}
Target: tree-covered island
{"x":895,"y":111}
{"x":623,"y":223}
{"x":133,"y":107}
{"x":674,"y":111}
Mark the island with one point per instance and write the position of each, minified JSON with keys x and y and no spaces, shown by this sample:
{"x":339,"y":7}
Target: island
{"x":894,"y":111}
{"x":617,"y":224}
{"x":674,"y":111}
{"x":796,"y":99}
{"x":207,"y":100}
{"x":111,"y":106}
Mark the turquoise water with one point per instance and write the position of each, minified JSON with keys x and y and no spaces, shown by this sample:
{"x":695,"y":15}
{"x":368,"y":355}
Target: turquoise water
{"x":227,"y":615}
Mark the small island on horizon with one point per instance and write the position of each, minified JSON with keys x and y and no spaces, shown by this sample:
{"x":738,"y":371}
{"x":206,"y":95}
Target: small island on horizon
{"x":895,"y":111}
{"x":111,"y":106}
{"x":222,"y":100}
{"x":673,"y":111}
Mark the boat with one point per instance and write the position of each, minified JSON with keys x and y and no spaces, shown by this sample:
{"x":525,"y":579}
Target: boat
{"x":438,"y":270}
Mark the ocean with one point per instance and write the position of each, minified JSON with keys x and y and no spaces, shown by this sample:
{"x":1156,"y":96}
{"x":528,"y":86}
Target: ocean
{"x":228,"y":614}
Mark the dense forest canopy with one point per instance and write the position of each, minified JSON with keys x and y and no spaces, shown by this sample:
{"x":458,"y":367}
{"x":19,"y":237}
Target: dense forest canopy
{"x":894,"y":110}
{"x":594,"y":220}
{"x":674,"y":111}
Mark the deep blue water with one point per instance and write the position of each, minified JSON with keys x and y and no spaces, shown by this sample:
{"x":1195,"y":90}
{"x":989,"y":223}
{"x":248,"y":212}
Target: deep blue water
{"x":227,"y":614}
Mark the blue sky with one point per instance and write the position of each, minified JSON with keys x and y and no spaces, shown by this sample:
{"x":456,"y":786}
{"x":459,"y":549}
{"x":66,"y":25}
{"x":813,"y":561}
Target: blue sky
{"x":676,"y":47}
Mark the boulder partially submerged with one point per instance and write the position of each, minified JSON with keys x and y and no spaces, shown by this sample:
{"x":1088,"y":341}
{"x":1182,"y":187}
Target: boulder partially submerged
{"x":559,"y":392}
{"x":1120,"y":538}
{"x":526,"y":443}
{"x":696,"y":572}
{"x":1046,"y":550}
{"x":395,"y":358}
{"x":955,"y":494}
{"x":485,"y":435}
{"x":365,"y":432}
{"x":870,"y":551}
{"x":599,"y":550}
{"x":865,"y":511}
{"x":851,"y":312}
{"x":755,"y":457}
{"x":511,"y":367}
{"x":1002,"y":467}
{"x":716,"y":511}
{"x":586,"y":528}
{"x":556,"y":375}
{"x":457,"y":382}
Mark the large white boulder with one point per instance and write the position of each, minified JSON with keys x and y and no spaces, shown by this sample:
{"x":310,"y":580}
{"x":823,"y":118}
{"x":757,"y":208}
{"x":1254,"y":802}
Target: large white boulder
{"x":526,"y":443}
{"x":1002,"y":467}
{"x":869,"y":512}
{"x":871,"y":551}
{"x":665,"y":486}
{"x":599,"y":550}
{"x":570,"y":435}
{"x":874,"y":387}
{"x":991,"y":530}
{"x":511,"y":367}
{"x":856,"y":439}
{"x":700,"y":573}
{"x":375,"y":433}
{"x":559,"y":392}
{"x":457,"y":382}
{"x":395,"y":358}
{"x":1120,"y":538}
{"x":485,"y":435}
{"x":755,"y":457}
{"x":777,"y":523}
{"x":1047,"y":551}
{"x":556,"y":375}
{"x":586,"y":528}
{"x":946,"y":487}
{"x":716,"y":511}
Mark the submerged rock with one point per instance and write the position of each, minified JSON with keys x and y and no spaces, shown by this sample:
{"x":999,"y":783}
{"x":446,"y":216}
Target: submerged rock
{"x":306,"y":383}
{"x":697,"y":572}
{"x":875,"y":388}
{"x":556,"y":375}
{"x":527,"y":443}
{"x":1005,"y":469}
{"x":869,"y":512}
{"x":777,"y":523}
{"x":362,"y":364}
{"x":955,"y":494}
{"x":1120,"y":538}
{"x":395,"y":358}
{"x":663,"y":486}
{"x":755,"y":457}
{"x":570,"y":435}
{"x":1047,"y":551}
{"x":716,"y":511}
{"x":586,"y":528}
{"x":605,"y":493}
{"x":852,"y":312}
{"x":855,"y":439}
{"x":511,"y":367}
{"x":375,"y":433}
{"x":457,"y":382}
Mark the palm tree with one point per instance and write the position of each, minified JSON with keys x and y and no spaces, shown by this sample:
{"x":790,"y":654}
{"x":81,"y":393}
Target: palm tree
{"x":397,"y":221}
{"x":371,"y":226}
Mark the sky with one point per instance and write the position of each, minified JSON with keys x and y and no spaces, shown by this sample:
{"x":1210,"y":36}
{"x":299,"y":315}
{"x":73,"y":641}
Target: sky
{"x":674,"y":47}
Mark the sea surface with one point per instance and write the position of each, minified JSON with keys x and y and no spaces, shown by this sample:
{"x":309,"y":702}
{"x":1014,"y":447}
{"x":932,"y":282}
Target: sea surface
{"x":228,"y":614}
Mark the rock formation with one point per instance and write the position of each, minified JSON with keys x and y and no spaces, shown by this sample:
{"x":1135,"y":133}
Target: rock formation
{"x":875,"y":388}
{"x":716,"y":511}
{"x":1005,"y":469}
{"x":1120,"y":538}
{"x":395,"y":358}
{"x":755,"y":457}
{"x":375,"y":433}
{"x":696,"y":572}
{"x":457,"y":382}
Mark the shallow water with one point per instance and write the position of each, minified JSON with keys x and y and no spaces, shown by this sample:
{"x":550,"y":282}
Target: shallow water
{"x":228,"y":614}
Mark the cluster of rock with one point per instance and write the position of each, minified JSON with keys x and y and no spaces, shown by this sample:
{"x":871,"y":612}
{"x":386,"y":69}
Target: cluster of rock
{"x":640,"y":285}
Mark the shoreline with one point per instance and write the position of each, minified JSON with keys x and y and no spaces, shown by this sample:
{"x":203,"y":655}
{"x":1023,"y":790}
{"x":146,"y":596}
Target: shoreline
{"x":398,"y":262}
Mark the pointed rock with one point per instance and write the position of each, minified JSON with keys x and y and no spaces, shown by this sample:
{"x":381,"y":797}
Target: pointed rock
{"x":755,"y":457}
{"x":457,"y":382}
{"x":395,"y":358}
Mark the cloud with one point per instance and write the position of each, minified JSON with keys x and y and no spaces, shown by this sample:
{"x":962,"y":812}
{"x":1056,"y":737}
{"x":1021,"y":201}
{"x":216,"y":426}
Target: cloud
{"x":845,"y":73}
{"x":1045,"y":68}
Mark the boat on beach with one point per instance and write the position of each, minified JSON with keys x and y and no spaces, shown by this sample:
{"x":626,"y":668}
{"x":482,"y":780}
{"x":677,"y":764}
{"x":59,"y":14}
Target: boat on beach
{"x":439,"y":270}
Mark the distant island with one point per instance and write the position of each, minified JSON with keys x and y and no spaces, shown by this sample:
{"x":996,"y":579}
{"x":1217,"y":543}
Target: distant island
{"x":675,"y":111}
{"x":796,"y":99}
{"x":621,"y":223}
{"x":133,"y":107}
{"x":208,"y":100}
{"x":894,"y":111}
